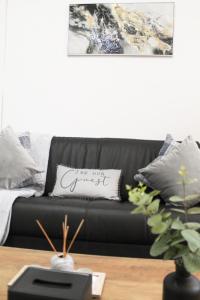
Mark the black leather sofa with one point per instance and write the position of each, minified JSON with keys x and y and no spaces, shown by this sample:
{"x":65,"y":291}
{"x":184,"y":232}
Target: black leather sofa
{"x":110,"y":228}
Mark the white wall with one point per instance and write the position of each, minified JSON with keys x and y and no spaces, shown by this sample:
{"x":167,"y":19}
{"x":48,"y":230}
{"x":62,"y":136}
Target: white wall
{"x":132,"y":97}
{"x":3,"y":43}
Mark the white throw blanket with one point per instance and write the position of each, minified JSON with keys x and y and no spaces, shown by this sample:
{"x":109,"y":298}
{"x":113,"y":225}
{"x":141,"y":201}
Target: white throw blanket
{"x":39,"y":150}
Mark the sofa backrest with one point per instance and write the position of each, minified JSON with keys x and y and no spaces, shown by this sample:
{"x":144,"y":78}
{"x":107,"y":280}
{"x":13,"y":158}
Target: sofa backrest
{"x":129,"y":155}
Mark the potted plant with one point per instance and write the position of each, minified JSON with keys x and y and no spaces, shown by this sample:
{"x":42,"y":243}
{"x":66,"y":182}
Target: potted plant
{"x":177,"y":237}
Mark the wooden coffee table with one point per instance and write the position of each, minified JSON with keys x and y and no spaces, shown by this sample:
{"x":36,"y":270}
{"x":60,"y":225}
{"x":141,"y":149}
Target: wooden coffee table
{"x":126,"y":278}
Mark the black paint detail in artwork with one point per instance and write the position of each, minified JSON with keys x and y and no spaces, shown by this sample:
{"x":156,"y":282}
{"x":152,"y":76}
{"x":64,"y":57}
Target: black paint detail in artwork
{"x":157,"y":51}
{"x":91,"y":8}
{"x":90,"y":48}
{"x":104,"y":13}
{"x":130,"y":29}
{"x":167,"y":40}
{"x":76,"y":15}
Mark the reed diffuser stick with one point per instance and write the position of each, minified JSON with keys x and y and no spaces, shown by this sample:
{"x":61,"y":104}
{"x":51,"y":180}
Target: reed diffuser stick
{"x":47,"y":237}
{"x":75,"y":235}
{"x":65,"y":221}
{"x":63,"y":228}
{"x":65,"y":232}
{"x":65,"y":241}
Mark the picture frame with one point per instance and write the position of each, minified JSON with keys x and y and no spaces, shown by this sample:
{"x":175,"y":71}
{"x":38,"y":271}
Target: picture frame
{"x":133,"y":29}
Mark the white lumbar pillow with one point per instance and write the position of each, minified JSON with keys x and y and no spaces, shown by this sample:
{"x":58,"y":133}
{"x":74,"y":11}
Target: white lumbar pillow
{"x":94,"y":183}
{"x":16,"y":164}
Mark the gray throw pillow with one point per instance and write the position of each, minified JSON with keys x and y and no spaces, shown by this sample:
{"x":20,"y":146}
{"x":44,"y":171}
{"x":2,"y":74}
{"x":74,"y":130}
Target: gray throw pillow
{"x":36,"y":180}
{"x":169,"y":140}
{"x":16,"y":165}
{"x":167,"y":146}
{"x":24,"y":138}
{"x":92,"y":183}
{"x":163,"y":173}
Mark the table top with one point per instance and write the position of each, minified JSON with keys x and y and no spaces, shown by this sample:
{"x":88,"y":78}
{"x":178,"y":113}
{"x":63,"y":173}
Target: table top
{"x":126,"y":278}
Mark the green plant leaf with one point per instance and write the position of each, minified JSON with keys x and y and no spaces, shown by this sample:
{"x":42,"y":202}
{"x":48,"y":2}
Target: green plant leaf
{"x":194,"y":210}
{"x":182,"y":171}
{"x":191,"y":262}
{"x":178,"y":224}
{"x":139,"y":210}
{"x":154,"y":193}
{"x":192,"y":237}
{"x":160,"y":246}
{"x":153,"y":207}
{"x":138,"y":197}
{"x":154,"y":220}
{"x":181,"y":250}
{"x":192,"y":197}
{"x":181,"y":211}
{"x":144,"y":199}
{"x":176,"y":238}
{"x":170,"y":253}
{"x":161,"y":228}
{"x":192,"y":225}
{"x":134,"y":197}
{"x":128,"y":187}
{"x":176,"y":199}
{"x":177,"y":241}
{"x":165,"y":215}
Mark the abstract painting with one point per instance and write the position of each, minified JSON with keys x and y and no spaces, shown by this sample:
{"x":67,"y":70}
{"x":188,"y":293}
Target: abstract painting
{"x":121,"y":29}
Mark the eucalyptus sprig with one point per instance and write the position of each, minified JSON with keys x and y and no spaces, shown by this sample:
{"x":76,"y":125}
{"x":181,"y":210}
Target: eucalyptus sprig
{"x":177,"y":238}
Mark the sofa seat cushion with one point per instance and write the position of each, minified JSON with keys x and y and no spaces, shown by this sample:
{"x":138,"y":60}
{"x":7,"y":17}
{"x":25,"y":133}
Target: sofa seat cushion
{"x":83,"y":247}
{"x":105,"y":220}
{"x":50,"y":211}
{"x":112,"y":222}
